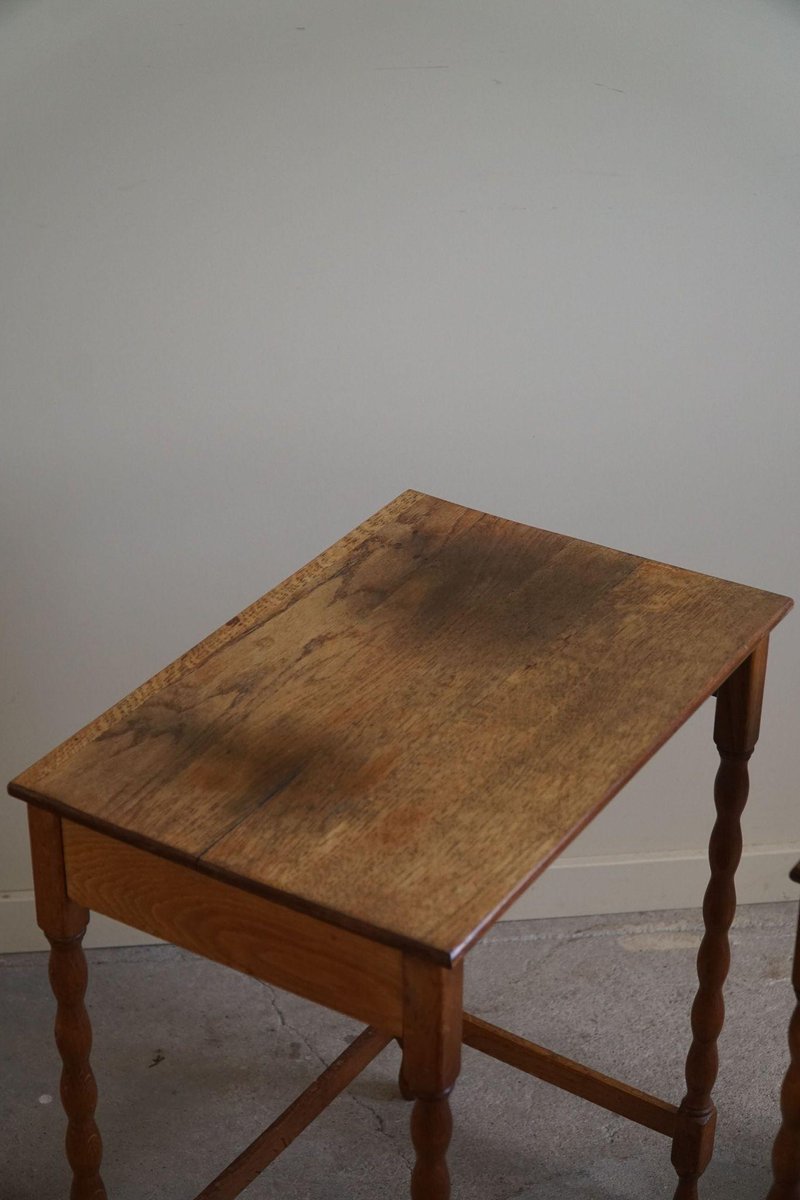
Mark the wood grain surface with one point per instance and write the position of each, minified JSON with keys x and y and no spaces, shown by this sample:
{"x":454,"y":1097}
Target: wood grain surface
{"x":432,"y":1033}
{"x":402,"y":736}
{"x":342,"y":970}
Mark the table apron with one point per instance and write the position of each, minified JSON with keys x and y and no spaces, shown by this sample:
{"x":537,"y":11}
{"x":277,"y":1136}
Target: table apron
{"x":291,"y":950}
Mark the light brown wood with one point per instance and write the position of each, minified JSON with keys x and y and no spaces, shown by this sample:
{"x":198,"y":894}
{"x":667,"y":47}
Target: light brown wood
{"x":288,"y":949}
{"x":402,"y":736}
{"x":570,"y":1076}
{"x":432,"y":1029}
{"x":57,"y":915}
{"x":786,"y":1151}
{"x":297,"y":1117}
{"x":68,"y":978}
{"x":402,"y":1085}
{"x":736,"y":727}
{"x":64,"y":924}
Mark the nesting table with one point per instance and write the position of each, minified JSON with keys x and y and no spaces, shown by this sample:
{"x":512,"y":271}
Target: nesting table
{"x":343,"y":788}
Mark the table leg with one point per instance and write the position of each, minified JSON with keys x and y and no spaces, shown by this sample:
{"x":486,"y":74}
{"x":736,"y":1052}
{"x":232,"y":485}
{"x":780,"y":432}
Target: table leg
{"x":432,"y":1031}
{"x":786,"y":1152}
{"x":403,"y":1088}
{"x":736,"y":728}
{"x":64,"y":924}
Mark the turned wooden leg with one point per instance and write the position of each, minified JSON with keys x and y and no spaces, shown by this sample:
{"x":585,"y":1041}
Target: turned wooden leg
{"x":405,"y":1090}
{"x":64,"y":924}
{"x":68,"y":977}
{"x":786,"y":1151}
{"x":402,"y":1086}
{"x":432,"y":1023}
{"x":735,"y":733}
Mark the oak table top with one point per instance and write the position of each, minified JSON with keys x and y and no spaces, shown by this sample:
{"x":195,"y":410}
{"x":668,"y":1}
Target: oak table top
{"x":402,"y":735}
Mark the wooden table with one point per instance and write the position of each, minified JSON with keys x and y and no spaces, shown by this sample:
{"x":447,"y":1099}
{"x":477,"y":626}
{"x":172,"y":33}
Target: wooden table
{"x":343,"y":788}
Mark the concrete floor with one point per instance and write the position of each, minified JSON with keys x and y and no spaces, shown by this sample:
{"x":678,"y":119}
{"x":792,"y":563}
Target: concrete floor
{"x":193,"y":1061}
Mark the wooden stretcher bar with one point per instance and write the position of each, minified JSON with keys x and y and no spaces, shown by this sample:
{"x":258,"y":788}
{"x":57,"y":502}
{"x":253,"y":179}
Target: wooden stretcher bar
{"x":570,"y":1076}
{"x":297,"y":1117}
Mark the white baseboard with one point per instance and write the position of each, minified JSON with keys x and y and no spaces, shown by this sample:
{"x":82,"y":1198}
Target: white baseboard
{"x":19,"y":931}
{"x":579,"y":887}
{"x":572,"y":887}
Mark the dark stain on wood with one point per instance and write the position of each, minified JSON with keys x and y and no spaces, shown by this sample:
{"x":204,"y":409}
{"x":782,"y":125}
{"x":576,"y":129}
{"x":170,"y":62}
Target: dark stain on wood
{"x":433,"y":707}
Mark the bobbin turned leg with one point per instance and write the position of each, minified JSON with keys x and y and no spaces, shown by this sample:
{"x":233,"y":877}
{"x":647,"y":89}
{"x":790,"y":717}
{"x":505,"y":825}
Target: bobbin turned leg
{"x":786,"y":1151}
{"x":432,"y":1023}
{"x":64,"y":924}
{"x":736,"y":727}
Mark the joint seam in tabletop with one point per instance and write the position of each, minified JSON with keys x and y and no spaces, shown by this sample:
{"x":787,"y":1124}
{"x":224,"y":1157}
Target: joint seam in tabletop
{"x":448,"y":525}
{"x":30,"y":793}
{"x":433,"y":726}
{"x":237,"y":627}
{"x":445,"y":956}
{"x":442,"y":956}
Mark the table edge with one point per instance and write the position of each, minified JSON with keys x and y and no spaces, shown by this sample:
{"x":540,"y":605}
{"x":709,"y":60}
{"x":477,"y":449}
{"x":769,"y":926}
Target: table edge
{"x":28,"y":784}
{"x":443,"y":955}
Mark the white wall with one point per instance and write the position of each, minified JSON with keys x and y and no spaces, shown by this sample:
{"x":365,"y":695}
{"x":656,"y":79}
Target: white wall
{"x":267,"y":263}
